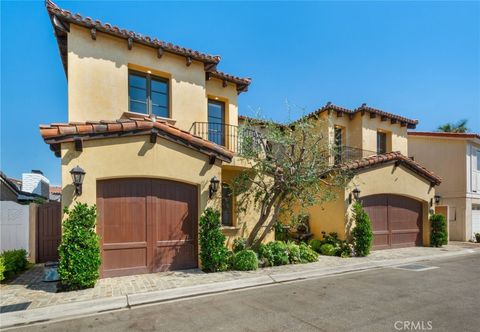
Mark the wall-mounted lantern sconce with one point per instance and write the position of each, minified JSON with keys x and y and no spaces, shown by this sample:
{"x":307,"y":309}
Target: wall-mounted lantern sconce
{"x":213,"y":188}
{"x":355,"y":194}
{"x":78,"y":174}
{"x":437,"y":199}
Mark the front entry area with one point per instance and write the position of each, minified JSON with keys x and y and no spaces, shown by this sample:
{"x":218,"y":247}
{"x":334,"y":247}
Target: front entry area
{"x":146,"y":225}
{"x":396,"y":220}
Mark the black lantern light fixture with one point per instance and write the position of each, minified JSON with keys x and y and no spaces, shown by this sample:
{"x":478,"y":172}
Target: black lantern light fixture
{"x":355,"y":194}
{"x":78,"y":174}
{"x":437,"y":199}
{"x":213,"y":188}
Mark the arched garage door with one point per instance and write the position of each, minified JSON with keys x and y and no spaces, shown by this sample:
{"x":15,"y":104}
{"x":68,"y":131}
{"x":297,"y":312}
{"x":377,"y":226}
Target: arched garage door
{"x":146,"y":225}
{"x":396,"y":220}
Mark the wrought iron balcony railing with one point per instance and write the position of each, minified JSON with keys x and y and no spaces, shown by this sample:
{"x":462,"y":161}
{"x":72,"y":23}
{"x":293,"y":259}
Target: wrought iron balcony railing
{"x":344,"y":154}
{"x":234,"y":138}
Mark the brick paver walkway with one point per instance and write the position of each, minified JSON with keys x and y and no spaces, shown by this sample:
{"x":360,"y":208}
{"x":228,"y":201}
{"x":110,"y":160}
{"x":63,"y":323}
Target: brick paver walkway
{"x":28,"y":291}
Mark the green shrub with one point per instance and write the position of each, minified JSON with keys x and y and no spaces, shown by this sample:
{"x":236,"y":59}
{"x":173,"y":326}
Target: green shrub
{"x":279,"y":252}
{"x":331,"y":238}
{"x":245,"y":260}
{"x":327,"y":249}
{"x":239,"y":244}
{"x":307,"y":254}
{"x":265,"y":255}
{"x":14,"y":262}
{"x":477,"y":237}
{"x":293,"y":252}
{"x":2,"y":268}
{"x":438,"y":235}
{"x":80,"y":249}
{"x":316,"y":244}
{"x":213,"y":253}
{"x":281,"y":232}
{"x":362,"y":232}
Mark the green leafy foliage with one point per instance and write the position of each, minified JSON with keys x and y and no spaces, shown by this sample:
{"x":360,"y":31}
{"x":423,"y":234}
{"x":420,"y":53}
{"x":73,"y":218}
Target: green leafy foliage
{"x":307,"y":254}
{"x":80,"y":248}
{"x":327,"y":249}
{"x":245,"y":260}
{"x":293,"y":252}
{"x":438,"y":235}
{"x":362,"y":232}
{"x":2,"y":268}
{"x":459,"y":127}
{"x":279,"y":253}
{"x":316,"y":244}
{"x":239,"y":244}
{"x":265,"y":255}
{"x":213,"y":253}
{"x":14,"y":262}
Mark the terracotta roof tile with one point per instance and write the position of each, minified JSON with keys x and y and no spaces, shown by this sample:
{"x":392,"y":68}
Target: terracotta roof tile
{"x":389,"y":157}
{"x":364,"y":108}
{"x":55,"y":134}
{"x":61,"y":19}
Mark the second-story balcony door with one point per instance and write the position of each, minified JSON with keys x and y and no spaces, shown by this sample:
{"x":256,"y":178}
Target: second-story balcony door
{"x":216,"y":121}
{"x":338,"y":142}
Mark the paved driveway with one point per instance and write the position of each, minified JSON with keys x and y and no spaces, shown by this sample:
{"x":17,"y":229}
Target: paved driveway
{"x":445,"y":298}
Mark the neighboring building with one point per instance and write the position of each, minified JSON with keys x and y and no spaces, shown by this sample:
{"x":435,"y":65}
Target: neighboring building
{"x":55,"y":193}
{"x":456,"y":158}
{"x":153,"y":125}
{"x":8,"y":189}
{"x":36,"y":183}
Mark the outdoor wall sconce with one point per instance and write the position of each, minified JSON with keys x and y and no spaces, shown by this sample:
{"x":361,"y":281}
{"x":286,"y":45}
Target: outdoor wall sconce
{"x":78,"y":174}
{"x":437,"y":199}
{"x":355,"y":194}
{"x":213,"y":188}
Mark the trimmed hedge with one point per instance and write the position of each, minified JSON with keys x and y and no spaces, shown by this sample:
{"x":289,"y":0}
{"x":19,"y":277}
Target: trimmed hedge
{"x":213,"y":253}
{"x":293,"y":253}
{"x":362,"y":232}
{"x":12,"y":262}
{"x":327,"y":249}
{"x":438,"y":235}
{"x":279,"y":253}
{"x":316,"y":244}
{"x":307,"y":254}
{"x":80,"y":249}
{"x":245,"y":260}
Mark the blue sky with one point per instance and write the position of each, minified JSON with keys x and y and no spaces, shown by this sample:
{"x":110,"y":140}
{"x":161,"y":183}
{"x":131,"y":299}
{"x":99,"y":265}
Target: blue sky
{"x":417,"y":59}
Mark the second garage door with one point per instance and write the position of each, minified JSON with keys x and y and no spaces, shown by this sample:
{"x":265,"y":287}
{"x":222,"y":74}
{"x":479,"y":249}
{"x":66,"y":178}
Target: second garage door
{"x":396,"y":221}
{"x":146,"y":225}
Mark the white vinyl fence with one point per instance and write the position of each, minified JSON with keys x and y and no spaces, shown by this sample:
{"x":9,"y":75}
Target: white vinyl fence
{"x":13,"y":226}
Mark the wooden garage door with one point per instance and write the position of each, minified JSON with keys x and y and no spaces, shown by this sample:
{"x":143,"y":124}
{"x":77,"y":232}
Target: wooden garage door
{"x":146,"y":225}
{"x":396,"y":221}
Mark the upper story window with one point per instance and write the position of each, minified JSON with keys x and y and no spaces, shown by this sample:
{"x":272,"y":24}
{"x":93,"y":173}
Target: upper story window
{"x":381,"y":142}
{"x":338,"y":142}
{"x":478,"y":160}
{"x":148,"y":94}
{"x":216,"y":121}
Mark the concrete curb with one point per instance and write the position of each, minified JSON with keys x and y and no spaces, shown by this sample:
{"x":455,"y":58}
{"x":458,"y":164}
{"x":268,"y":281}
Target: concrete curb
{"x":11,"y":319}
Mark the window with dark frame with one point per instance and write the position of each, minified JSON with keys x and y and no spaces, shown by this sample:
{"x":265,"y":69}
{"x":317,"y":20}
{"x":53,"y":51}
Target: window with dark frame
{"x":338,"y":139}
{"x":381,"y":142}
{"x":216,"y":121}
{"x":227,"y":205}
{"x":148,"y":94}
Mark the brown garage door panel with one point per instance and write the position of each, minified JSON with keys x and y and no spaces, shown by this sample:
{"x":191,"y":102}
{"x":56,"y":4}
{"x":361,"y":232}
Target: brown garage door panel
{"x":147,"y":225}
{"x":396,"y":220}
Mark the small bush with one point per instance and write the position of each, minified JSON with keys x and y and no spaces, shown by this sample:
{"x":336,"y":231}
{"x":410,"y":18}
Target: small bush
{"x":2,"y":268}
{"x":362,"y":232}
{"x":331,"y":238}
{"x":14,"y":262}
{"x":279,"y":253}
{"x":293,"y":252}
{"x":245,"y":260}
{"x":80,"y":249}
{"x":213,"y":253}
{"x":327,"y":249}
{"x":239,"y":244}
{"x":438,"y":236}
{"x":316,"y":244}
{"x":307,"y":254}
{"x":477,"y":237}
{"x":265,"y":255}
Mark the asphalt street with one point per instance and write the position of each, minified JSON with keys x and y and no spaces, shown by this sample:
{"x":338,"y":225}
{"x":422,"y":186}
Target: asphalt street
{"x":443,"y":298}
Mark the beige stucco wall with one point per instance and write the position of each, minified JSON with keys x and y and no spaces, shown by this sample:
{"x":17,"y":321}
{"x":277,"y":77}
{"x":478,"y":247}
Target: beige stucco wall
{"x":335,"y":216}
{"x":98,"y":80}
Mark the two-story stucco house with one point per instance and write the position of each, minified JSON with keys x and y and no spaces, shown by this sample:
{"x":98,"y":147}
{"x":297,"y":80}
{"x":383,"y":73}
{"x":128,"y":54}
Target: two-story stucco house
{"x":137,"y":109}
{"x":396,"y":191}
{"x":456,"y":158}
{"x":154,"y":128}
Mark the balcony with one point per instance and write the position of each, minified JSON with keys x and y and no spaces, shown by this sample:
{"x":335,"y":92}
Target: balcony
{"x":234,"y":138}
{"x":344,"y":154}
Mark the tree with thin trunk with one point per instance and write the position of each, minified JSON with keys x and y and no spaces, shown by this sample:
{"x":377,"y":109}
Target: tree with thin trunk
{"x":459,"y":127}
{"x":291,"y":168}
